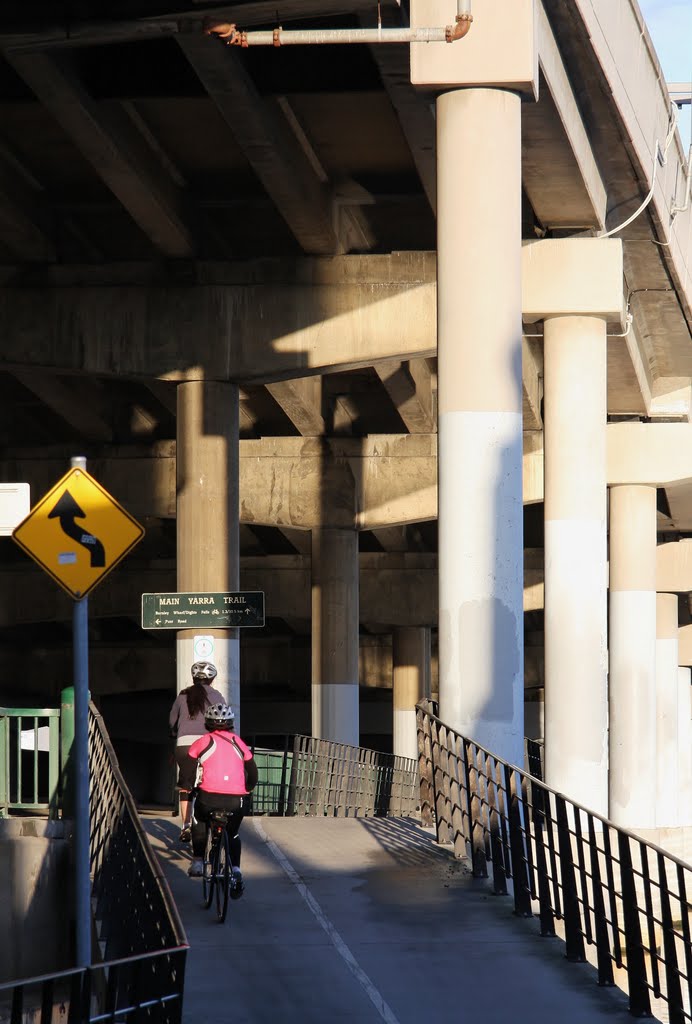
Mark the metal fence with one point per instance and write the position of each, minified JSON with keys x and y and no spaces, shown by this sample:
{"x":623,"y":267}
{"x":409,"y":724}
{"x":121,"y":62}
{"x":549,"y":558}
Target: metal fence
{"x":318,"y":777}
{"x":140,"y":941}
{"x":605,"y":887}
{"x":29,"y":760}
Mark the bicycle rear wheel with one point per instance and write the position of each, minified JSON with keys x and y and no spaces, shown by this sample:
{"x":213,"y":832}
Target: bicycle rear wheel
{"x":209,"y":872}
{"x":223,"y":876}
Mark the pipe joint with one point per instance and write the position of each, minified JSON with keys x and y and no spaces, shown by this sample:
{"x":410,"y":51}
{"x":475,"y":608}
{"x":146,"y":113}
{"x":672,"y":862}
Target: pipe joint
{"x":459,"y":29}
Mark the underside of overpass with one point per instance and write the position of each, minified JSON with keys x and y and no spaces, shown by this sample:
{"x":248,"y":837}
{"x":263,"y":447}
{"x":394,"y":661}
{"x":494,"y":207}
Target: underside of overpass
{"x":174,"y":209}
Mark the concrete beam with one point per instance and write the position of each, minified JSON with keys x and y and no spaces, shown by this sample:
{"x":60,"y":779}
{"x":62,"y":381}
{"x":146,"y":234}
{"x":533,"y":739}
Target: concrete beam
{"x":685,"y":646}
{"x":573,"y":277}
{"x":115,"y":149}
{"x":409,"y":387}
{"x":300,"y":194}
{"x":57,"y":394}
{"x":649,"y":453}
{"x":553,"y":129}
{"x":301,"y":400}
{"x":263,"y":321}
{"x":397,"y":589}
{"x":291,"y":482}
{"x":674,"y":568}
{"x":500,"y":50}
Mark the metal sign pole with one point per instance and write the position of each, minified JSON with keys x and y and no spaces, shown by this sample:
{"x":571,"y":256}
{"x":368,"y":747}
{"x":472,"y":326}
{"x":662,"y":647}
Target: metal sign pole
{"x":80,"y":656}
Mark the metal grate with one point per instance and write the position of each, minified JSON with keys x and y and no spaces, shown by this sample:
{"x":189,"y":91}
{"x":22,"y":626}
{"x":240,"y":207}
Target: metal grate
{"x":598,"y":885}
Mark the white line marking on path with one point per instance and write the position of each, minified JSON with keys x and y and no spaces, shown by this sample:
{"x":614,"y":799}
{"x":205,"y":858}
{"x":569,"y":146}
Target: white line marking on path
{"x":342,"y":949}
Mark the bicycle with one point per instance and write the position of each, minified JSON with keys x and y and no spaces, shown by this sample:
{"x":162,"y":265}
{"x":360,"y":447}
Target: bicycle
{"x":217,"y":874}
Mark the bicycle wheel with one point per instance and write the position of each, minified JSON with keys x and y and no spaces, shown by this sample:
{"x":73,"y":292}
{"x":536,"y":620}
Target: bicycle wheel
{"x":223,"y":876}
{"x":208,"y":873}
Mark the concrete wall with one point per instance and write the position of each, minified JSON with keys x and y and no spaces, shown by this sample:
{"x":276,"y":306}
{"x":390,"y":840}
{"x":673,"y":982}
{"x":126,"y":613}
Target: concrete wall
{"x":34,"y":897}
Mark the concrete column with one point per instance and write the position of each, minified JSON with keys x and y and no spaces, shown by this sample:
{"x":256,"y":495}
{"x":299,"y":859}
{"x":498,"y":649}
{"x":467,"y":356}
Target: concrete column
{"x":685,"y":746}
{"x":335,"y":624}
{"x":480,"y":512}
{"x":410,"y":683}
{"x":632,"y":641}
{"x":576,"y":657}
{"x":667,"y":706}
{"x":207,"y":514}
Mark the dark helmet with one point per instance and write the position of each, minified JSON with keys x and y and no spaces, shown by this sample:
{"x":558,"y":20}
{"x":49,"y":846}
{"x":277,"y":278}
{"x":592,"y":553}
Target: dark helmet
{"x":219,"y":716}
{"x":204,"y":671}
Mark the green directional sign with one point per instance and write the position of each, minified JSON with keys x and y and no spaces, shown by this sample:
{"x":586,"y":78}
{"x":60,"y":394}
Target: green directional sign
{"x":203,"y":611}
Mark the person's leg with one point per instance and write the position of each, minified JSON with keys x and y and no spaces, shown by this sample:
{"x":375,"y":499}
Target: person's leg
{"x":234,"y":843}
{"x":199,"y":814}
{"x":184,"y":797}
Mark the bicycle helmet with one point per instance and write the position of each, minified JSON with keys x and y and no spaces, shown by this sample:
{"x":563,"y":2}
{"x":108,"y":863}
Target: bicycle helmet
{"x":203,"y":670}
{"x":219,"y":716}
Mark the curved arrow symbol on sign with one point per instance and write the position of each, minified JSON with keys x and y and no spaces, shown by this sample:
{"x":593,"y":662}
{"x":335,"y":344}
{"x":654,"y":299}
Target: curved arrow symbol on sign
{"x":67,"y":510}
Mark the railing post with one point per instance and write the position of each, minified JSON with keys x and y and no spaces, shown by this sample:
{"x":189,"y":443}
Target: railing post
{"x":676,"y":1009}
{"x":574,"y":940}
{"x":67,"y":765}
{"x":520,"y":874}
{"x":640,"y":1004}
{"x":425,"y":772}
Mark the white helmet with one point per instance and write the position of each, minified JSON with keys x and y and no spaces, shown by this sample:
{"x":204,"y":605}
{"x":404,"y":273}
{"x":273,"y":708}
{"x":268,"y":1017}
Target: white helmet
{"x":203,"y":670}
{"x":219,"y":715}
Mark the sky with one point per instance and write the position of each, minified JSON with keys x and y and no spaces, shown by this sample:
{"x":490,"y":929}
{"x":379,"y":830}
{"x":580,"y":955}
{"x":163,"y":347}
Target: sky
{"x":670,"y":27}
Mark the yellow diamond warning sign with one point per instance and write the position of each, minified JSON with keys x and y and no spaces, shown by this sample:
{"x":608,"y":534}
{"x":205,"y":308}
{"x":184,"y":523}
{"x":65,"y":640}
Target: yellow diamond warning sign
{"x":78,"y":532}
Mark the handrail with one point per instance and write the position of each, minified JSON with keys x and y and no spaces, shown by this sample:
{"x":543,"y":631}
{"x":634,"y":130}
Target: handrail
{"x":139,"y":935}
{"x":315,"y":776}
{"x":608,"y":888}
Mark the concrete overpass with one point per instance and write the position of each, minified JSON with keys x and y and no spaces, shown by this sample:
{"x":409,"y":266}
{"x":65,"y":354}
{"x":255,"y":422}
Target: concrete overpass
{"x":250,"y":286}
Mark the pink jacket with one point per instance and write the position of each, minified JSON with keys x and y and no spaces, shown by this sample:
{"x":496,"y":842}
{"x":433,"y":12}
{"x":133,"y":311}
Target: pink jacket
{"x":221,"y":757}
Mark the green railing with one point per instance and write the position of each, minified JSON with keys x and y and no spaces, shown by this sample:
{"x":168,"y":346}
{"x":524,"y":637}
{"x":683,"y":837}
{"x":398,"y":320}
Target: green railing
{"x":29,"y":760}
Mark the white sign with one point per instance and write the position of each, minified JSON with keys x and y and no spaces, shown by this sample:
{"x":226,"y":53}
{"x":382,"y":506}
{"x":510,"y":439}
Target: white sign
{"x":15,"y":503}
{"x":203,"y":648}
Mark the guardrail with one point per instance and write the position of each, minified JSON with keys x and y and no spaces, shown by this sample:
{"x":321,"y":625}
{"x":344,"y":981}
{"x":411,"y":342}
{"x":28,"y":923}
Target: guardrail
{"x":139,"y":936}
{"x":29,"y":760}
{"x":605,"y":887}
{"x":319,"y":777}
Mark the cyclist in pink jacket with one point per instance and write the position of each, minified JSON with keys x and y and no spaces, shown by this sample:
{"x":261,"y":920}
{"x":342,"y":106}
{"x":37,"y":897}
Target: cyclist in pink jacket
{"x":223,"y":772}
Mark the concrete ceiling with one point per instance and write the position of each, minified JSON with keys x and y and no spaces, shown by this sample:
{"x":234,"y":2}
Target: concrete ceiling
{"x":133,"y":148}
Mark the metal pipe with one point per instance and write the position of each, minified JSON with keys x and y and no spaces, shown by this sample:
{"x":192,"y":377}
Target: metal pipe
{"x":231,"y":36}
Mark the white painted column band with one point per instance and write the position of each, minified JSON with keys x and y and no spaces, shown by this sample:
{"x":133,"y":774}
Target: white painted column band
{"x":576,"y":710}
{"x":685,"y":746}
{"x":481,"y":622}
{"x":632,"y":653}
{"x":480,"y":512}
{"x":667,"y":704}
{"x":410,"y":682}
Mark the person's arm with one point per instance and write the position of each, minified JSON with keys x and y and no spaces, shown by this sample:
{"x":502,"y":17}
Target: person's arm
{"x":173,"y":718}
{"x":250,"y":773}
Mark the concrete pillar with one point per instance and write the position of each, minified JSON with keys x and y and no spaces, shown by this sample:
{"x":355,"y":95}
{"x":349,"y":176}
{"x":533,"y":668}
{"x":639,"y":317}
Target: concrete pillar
{"x":685,"y":746}
{"x":632,"y":643}
{"x":667,"y":705}
{"x":480,"y":513}
{"x":576,"y":700}
{"x":335,"y":624}
{"x":207,"y":520}
{"x":410,"y":683}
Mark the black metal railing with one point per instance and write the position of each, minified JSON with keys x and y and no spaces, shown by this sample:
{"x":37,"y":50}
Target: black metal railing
{"x":605,"y":887}
{"x":319,"y":777}
{"x":139,"y":937}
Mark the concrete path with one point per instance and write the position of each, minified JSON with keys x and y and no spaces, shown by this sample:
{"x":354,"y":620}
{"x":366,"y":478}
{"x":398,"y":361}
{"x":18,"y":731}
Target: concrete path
{"x":367,"y":921}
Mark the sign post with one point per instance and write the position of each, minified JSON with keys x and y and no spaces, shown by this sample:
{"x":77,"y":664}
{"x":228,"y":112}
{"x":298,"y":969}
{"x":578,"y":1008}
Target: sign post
{"x":78,"y":556}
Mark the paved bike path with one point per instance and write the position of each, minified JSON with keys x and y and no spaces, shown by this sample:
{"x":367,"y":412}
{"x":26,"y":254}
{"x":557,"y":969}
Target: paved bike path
{"x":367,"y":921}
